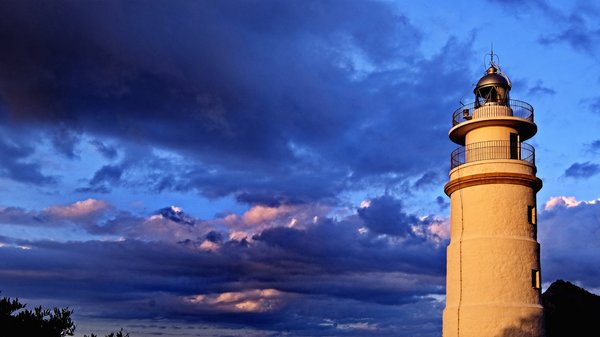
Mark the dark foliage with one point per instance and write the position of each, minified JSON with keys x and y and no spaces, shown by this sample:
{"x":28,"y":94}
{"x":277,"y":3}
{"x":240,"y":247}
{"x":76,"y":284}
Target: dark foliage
{"x":570,"y":310}
{"x":15,"y":320}
{"x":112,"y":334}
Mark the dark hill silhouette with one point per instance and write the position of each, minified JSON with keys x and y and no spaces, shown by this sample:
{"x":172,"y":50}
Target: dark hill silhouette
{"x":570,"y":311}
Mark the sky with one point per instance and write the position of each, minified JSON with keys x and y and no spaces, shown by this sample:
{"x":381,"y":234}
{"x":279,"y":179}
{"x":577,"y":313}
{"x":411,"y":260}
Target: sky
{"x":273,"y":168}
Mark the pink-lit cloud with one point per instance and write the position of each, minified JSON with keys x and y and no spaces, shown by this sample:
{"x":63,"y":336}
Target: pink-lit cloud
{"x":252,"y":300}
{"x":560,"y":201}
{"x":264,"y":214}
{"x":79,"y":209}
{"x":440,"y":230}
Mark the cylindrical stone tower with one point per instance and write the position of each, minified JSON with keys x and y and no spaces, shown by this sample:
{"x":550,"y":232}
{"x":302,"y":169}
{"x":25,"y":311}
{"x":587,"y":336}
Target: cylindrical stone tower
{"x":493,"y":268}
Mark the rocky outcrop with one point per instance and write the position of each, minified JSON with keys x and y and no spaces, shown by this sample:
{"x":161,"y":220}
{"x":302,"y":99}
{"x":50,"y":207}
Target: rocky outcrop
{"x":570,"y":311}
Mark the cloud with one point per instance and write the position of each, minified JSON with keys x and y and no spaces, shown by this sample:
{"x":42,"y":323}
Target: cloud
{"x":104,"y":180}
{"x":107,"y":174}
{"x":77,"y":210}
{"x":574,"y":26}
{"x":539,"y":4}
{"x":539,"y":90}
{"x":427,"y":179}
{"x":107,"y":151}
{"x":333,"y":99}
{"x":251,"y":300}
{"x":18,"y":164}
{"x":384,"y":215}
{"x":102,"y":220}
{"x":259,"y":214}
{"x":569,"y":234}
{"x":85,"y":211}
{"x":582,"y":170}
{"x":64,"y":141}
{"x":528,"y":7}
{"x":595,"y":146}
{"x":442,"y":202}
{"x":294,"y":278}
{"x":593,"y":104}
{"x":176,"y":215}
{"x":17,"y":215}
{"x":299,"y":215}
{"x":560,"y":201}
{"x":287,"y":107}
{"x":577,"y":34}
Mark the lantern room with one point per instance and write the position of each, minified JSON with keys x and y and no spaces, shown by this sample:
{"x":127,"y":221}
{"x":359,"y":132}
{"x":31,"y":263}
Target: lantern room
{"x":492,"y":88}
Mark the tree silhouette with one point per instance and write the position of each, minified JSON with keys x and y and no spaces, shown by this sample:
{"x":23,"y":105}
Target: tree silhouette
{"x":15,"y":320}
{"x":112,"y":334}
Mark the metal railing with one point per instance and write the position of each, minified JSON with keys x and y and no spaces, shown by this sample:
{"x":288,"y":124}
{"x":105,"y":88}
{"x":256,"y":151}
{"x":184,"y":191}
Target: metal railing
{"x":517,"y":109}
{"x":493,"y":149}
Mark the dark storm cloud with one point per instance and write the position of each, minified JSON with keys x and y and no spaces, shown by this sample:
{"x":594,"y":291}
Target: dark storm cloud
{"x":386,"y":216}
{"x":64,"y":141}
{"x":527,"y":4}
{"x":275,"y":103}
{"x":575,"y":26}
{"x":539,"y":89}
{"x":17,"y":164}
{"x":427,"y":179}
{"x":570,"y":239}
{"x":107,"y":177}
{"x":442,"y":202}
{"x":214,"y":236}
{"x":527,"y":8}
{"x":593,"y":104}
{"x":582,"y":170}
{"x":138,"y":167}
{"x":254,"y":90}
{"x":257,"y":199}
{"x":93,"y":216}
{"x":176,"y":215}
{"x":577,"y":33}
{"x":109,"y":174}
{"x":165,"y":274}
{"x":308,"y":272}
{"x":20,"y":216}
{"x":331,"y":242}
{"x":107,"y":151}
{"x":595,"y":146}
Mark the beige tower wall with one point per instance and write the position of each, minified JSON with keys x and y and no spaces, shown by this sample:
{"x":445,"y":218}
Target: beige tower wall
{"x":489,"y":133}
{"x":492,"y":253}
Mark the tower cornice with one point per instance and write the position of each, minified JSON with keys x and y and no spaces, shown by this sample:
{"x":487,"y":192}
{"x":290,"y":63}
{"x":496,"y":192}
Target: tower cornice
{"x":524,"y":127}
{"x":493,"y":178}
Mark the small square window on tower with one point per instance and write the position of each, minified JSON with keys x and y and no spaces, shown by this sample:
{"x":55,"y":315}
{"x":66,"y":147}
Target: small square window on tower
{"x":536,"y":281}
{"x":531,"y":215}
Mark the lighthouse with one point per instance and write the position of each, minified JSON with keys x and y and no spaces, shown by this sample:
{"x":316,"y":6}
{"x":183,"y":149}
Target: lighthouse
{"x":493,"y":259}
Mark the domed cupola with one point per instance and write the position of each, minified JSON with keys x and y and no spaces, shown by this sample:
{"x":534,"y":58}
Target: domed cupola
{"x":492,"y":88}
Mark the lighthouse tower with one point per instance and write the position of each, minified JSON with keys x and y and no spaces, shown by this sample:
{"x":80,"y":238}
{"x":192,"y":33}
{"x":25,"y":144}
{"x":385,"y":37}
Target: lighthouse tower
{"x":493,"y":267}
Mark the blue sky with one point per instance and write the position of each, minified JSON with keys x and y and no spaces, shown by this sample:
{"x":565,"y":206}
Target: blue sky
{"x":258,"y":168}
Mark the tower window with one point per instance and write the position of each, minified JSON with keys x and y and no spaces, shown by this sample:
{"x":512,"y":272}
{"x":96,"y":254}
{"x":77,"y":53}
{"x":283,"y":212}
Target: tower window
{"x":514,"y":146}
{"x":531,"y":215}
{"x":536,"y":281}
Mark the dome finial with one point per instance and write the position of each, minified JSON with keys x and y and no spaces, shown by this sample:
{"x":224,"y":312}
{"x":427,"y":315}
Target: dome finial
{"x":493,"y":65}
{"x":494,"y":86}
